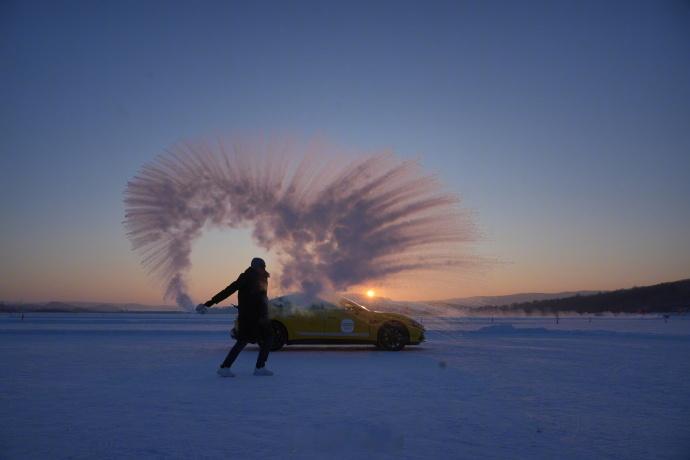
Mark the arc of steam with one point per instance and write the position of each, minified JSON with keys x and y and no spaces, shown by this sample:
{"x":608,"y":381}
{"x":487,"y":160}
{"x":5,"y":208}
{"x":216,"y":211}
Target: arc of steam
{"x":333,"y":225}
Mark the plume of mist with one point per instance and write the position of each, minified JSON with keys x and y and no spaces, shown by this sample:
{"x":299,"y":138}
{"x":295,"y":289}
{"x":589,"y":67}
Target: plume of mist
{"x":332,"y":223}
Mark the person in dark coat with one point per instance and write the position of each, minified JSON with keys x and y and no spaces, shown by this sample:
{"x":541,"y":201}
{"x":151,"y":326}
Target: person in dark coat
{"x":253,"y":324}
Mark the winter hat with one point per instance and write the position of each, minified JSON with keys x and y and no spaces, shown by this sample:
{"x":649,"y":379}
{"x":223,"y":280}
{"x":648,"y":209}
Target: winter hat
{"x":258,"y":262}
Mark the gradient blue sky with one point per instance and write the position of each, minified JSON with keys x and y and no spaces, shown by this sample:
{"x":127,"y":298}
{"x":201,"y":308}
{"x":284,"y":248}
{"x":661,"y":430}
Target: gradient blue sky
{"x":564,"y":125}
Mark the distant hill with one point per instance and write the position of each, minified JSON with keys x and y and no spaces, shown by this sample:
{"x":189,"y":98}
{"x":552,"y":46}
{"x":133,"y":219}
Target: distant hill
{"x":81,"y":307}
{"x":98,"y":307}
{"x":454,"y":307}
{"x":673,"y":297}
{"x":484,"y":301}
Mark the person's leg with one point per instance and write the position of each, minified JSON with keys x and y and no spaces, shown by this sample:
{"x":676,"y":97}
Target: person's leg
{"x":234,"y":351}
{"x":264,"y":344}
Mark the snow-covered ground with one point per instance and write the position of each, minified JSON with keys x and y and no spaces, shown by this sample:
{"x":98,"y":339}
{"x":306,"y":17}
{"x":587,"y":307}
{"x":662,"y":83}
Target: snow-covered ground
{"x":144,"y":386}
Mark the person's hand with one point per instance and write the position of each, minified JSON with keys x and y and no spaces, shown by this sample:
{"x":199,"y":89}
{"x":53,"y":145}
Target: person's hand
{"x":201,"y":308}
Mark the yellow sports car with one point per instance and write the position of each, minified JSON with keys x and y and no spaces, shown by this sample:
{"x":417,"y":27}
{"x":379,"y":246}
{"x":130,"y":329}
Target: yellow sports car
{"x":297,"y":320}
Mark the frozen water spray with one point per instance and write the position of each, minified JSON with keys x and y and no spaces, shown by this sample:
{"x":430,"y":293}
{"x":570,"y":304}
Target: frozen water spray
{"x":333,"y":224}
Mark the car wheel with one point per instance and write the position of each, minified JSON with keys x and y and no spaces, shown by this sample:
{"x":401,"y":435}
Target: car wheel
{"x":279,"y":336}
{"x":392,"y":337}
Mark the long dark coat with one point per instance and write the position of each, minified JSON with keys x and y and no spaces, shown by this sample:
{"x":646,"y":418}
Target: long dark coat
{"x":252,"y":302}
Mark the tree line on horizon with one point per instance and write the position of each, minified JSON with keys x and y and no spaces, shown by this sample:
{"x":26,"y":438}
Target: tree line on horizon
{"x":671,"y":297}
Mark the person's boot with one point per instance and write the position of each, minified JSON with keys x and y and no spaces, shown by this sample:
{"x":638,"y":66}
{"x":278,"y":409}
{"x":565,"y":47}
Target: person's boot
{"x":225,"y":372}
{"x":262,"y":371}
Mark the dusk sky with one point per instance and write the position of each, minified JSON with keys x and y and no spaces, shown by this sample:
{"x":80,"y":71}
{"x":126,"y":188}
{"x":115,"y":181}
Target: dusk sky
{"x":564,"y":127}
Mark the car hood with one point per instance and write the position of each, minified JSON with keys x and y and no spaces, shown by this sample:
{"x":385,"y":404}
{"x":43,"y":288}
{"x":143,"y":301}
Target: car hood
{"x":393,"y":316}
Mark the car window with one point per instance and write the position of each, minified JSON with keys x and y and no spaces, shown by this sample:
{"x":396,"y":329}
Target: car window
{"x":295,"y":303}
{"x":329,"y":306}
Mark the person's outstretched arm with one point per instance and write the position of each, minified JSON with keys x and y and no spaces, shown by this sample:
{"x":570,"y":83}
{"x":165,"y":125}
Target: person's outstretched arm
{"x":228,"y":291}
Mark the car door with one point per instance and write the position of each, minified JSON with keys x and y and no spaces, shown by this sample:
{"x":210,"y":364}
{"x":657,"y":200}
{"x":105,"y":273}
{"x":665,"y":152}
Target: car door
{"x":308,"y":323}
{"x":345,"y":324}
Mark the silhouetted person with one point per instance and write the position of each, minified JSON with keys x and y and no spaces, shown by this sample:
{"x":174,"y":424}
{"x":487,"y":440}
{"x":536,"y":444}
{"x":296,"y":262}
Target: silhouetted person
{"x":253,"y":324}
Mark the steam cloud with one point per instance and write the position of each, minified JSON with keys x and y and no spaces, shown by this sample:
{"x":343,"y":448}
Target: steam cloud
{"x":332,"y":224}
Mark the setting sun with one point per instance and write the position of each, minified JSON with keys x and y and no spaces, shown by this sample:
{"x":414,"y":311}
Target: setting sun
{"x":371,"y":293}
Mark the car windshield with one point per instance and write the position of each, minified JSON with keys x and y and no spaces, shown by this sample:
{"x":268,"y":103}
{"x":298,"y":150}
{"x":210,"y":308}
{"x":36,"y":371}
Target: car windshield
{"x":352,"y":305}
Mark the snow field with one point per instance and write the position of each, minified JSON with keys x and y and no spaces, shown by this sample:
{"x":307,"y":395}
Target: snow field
{"x":144,"y":386}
